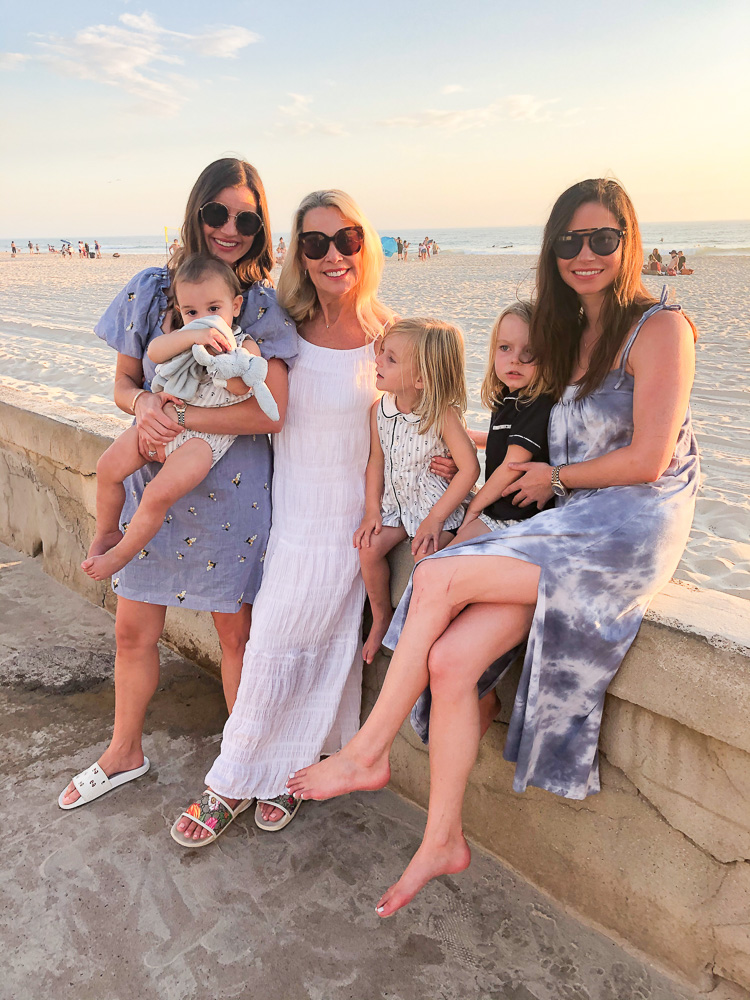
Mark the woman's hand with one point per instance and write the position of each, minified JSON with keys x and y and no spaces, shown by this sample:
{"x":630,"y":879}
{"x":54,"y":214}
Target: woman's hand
{"x":535,"y":486}
{"x":372,"y":524}
{"x":444,"y":467}
{"x":156,"y":428}
{"x":427,"y":539}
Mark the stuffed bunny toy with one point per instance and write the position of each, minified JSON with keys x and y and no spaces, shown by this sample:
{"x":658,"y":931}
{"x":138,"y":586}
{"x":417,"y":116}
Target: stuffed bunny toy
{"x":182,"y":374}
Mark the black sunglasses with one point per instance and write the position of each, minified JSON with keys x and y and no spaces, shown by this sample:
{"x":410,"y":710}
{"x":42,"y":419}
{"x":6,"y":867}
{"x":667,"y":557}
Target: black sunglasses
{"x":216,"y":215}
{"x":347,"y":241}
{"x":602,"y":242}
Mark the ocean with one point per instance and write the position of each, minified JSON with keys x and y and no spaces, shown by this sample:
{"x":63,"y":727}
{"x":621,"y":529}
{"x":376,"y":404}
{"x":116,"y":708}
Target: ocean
{"x":694,"y":238}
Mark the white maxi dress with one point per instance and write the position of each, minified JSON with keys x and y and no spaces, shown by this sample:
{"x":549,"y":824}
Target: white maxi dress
{"x":300,"y":693}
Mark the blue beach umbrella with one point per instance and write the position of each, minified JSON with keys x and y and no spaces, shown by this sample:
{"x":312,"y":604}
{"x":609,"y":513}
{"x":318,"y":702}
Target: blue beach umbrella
{"x":389,"y":245}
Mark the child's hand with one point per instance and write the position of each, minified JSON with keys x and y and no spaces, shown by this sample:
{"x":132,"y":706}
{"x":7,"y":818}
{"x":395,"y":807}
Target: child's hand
{"x":427,"y":539}
{"x":213,"y":340}
{"x":372,"y":524}
{"x":472,"y":513}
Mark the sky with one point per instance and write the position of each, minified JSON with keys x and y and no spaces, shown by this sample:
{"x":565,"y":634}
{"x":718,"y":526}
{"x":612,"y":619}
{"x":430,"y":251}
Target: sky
{"x":429,"y":113}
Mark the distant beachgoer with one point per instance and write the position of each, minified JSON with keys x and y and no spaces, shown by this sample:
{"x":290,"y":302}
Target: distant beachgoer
{"x":36,"y":248}
{"x":86,"y":250}
{"x":80,"y":248}
{"x":203,"y":287}
{"x":682,"y":267}
{"x":435,"y":248}
{"x":31,"y":247}
{"x":98,"y":249}
{"x":280,"y":250}
{"x":13,"y":248}
{"x":399,"y":248}
{"x":174,"y":246}
{"x":672,"y":266}
{"x":406,"y":249}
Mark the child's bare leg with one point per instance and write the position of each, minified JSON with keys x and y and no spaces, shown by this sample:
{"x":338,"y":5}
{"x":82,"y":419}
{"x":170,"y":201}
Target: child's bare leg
{"x":377,"y":576}
{"x":473,"y":529}
{"x":181,"y":472}
{"x":119,"y":461}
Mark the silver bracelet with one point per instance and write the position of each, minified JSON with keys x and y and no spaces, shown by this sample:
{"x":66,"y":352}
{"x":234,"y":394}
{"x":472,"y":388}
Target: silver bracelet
{"x":135,"y":398}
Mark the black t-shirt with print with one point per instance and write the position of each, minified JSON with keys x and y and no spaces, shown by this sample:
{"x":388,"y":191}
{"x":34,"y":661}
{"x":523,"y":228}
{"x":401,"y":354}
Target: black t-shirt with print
{"x":517,"y":421}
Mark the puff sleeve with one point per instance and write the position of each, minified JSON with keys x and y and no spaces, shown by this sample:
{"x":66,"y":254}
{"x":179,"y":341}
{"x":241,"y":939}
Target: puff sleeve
{"x":135,"y":314}
{"x":263,"y":319}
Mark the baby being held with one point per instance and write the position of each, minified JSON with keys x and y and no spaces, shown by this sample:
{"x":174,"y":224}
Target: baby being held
{"x":208,"y":297}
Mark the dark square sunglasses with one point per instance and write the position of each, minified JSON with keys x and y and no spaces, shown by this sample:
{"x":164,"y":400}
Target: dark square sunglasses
{"x":216,"y":215}
{"x":602,"y":242}
{"x":347,"y":241}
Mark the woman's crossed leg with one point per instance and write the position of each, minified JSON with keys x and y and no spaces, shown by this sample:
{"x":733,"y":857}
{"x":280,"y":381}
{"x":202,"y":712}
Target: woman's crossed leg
{"x":465,"y":612}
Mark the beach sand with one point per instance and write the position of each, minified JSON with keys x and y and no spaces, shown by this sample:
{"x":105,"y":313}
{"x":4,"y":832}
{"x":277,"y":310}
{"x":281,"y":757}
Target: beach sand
{"x":48,"y":352}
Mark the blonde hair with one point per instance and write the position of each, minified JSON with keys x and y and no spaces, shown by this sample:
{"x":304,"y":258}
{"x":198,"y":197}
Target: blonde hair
{"x":437,"y":358}
{"x":296,"y":292}
{"x":493,"y":390}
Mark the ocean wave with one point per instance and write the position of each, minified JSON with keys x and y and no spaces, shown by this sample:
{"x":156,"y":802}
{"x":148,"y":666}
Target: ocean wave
{"x":44,"y":323}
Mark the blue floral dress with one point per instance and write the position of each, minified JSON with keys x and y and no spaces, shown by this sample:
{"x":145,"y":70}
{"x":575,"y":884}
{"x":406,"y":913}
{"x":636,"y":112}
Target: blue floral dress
{"x":208,"y":554}
{"x":603,"y":555}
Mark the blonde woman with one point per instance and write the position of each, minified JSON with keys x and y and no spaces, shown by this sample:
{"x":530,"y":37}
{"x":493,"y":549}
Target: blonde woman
{"x":301,"y":682}
{"x":420,"y":370}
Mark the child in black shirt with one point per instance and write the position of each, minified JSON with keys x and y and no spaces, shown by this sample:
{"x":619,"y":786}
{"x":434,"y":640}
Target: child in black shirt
{"x":518,"y":426}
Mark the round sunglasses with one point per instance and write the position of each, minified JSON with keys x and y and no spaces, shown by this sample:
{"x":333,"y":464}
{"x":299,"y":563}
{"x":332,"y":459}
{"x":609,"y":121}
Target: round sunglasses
{"x":216,"y":215}
{"x":347,"y":241}
{"x":602,"y":242}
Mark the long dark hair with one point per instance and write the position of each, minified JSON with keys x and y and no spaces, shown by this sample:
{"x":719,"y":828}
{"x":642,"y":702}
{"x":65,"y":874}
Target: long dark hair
{"x":257,"y":263}
{"x":558,"y":319}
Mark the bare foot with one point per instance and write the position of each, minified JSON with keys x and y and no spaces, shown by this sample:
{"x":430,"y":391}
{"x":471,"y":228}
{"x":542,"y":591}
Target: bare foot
{"x":344,"y":772}
{"x":104,"y":542}
{"x":375,"y":638}
{"x":271,"y":814}
{"x":103,"y":566}
{"x":111,"y":763}
{"x":429,"y":862}
{"x":191,"y":829}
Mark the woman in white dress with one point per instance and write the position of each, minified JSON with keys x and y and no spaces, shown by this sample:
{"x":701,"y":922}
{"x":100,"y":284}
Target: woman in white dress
{"x":300,"y":691}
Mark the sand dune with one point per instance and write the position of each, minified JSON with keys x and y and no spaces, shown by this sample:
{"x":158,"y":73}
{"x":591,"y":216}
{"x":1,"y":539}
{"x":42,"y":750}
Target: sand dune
{"x":48,"y":307}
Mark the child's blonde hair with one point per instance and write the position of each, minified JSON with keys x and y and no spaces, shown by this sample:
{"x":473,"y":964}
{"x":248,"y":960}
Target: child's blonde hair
{"x":493,"y":390}
{"x":437,"y":358}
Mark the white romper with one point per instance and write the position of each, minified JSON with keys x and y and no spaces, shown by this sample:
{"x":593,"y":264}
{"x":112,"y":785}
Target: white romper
{"x":209,"y":394}
{"x":410,"y":489}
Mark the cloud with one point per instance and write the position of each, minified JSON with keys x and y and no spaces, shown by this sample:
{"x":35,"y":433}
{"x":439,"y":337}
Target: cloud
{"x":518,"y":107}
{"x":297,"y":119}
{"x":137,"y":56}
{"x":452,"y":88}
{"x":12,"y":60}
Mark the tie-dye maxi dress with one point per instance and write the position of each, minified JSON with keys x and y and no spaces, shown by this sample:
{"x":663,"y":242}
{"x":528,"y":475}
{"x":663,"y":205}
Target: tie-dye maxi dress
{"x":603,"y":554}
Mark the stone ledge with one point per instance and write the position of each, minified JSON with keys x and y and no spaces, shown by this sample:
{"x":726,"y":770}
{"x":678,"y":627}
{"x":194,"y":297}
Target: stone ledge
{"x":659,"y":858}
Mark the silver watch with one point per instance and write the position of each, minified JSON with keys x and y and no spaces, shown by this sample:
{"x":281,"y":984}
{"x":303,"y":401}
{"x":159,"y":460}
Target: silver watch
{"x":180,"y":413}
{"x":557,"y":487}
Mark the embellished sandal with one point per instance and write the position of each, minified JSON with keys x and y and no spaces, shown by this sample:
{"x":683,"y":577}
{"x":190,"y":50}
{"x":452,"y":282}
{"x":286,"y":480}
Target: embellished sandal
{"x":212,"y":813}
{"x":286,"y":803}
{"x":92,"y":783}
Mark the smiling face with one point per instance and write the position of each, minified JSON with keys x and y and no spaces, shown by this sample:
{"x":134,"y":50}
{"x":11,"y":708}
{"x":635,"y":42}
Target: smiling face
{"x":394,"y":365}
{"x":512,"y":364}
{"x":209,"y":297}
{"x":225,"y":242}
{"x":335,"y":274}
{"x":589,"y":274}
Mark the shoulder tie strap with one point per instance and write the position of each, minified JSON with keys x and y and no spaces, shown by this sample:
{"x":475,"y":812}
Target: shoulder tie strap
{"x":661,"y":304}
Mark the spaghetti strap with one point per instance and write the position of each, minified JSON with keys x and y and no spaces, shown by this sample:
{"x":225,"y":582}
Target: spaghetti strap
{"x":661,"y":304}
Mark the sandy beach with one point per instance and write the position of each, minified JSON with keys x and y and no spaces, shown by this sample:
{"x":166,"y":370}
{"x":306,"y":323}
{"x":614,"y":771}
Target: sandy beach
{"x":48,"y":352}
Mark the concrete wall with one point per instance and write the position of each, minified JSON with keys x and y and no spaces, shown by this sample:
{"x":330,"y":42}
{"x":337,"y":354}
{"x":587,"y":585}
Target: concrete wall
{"x":659,"y":859}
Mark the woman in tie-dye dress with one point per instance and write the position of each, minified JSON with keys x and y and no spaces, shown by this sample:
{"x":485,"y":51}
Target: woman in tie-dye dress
{"x":576,"y":579}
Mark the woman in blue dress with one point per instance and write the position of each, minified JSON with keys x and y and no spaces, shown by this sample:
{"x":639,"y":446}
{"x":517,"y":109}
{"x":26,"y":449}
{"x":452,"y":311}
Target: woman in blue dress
{"x":209,"y":553}
{"x":576,"y":579}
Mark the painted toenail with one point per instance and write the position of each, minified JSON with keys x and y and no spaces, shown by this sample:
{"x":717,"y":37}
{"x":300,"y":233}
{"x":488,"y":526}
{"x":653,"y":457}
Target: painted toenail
{"x":379,"y":909}
{"x":292,"y":774}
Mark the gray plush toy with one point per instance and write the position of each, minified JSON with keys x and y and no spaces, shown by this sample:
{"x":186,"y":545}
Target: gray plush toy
{"x":182,"y":374}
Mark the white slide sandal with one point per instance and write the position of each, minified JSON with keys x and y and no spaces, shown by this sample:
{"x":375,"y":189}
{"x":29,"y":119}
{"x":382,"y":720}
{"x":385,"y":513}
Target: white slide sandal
{"x":92,"y":783}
